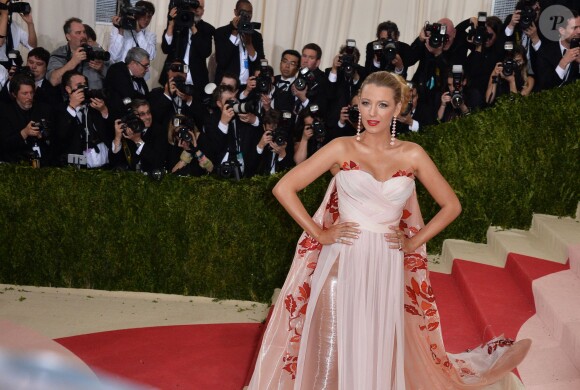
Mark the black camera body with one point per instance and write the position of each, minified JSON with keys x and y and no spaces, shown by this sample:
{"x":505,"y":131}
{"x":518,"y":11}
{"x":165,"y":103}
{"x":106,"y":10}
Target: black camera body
{"x":508,"y":64}
{"x":248,"y":107}
{"x":264,"y":80}
{"x":180,"y":84}
{"x":185,"y":17}
{"x":353,"y":114}
{"x":130,"y":119}
{"x":93,"y":54}
{"x":318,"y":128}
{"x":457,"y":94}
{"x":16,"y":61}
{"x":528,"y":14}
{"x":43,"y":127}
{"x":18,"y":7}
{"x":574,"y":43}
{"x":305,"y":78}
{"x":184,"y":125}
{"x":386,"y":51}
{"x":183,"y":134}
{"x":129,"y":15}
{"x":438,"y":34}
{"x":245,"y":24}
{"x":281,"y":133}
{"x":478,"y":33}
{"x":347,"y":60}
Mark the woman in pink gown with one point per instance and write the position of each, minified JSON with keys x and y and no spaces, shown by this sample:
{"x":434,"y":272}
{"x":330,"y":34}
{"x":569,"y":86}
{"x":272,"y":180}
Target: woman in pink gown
{"x":357,"y":310}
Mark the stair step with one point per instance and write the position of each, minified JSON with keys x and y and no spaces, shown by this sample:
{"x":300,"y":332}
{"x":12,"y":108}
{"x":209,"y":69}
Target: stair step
{"x":571,"y":342}
{"x":556,"y":233}
{"x":574,"y":256}
{"x":525,"y":269}
{"x":493,"y":296}
{"x":545,"y":367}
{"x":502,"y":242}
{"x":465,"y":250}
{"x":557,"y":302}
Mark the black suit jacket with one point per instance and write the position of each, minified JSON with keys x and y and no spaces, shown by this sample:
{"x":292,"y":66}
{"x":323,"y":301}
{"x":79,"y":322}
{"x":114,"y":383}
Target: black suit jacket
{"x":163,"y":108}
{"x":199,"y":51}
{"x":119,"y":85}
{"x":267,"y":159}
{"x":152,"y":155}
{"x":227,"y":54}
{"x":218,"y":143}
{"x":14,"y":148}
{"x":548,"y":58}
{"x":71,"y":134}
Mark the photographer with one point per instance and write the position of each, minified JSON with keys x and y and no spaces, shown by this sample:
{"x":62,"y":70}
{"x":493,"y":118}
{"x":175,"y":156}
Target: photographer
{"x":25,"y":130}
{"x":283,"y":99}
{"x":486,"y":42}
{"x":139,"y":144}
{"x":272,"y":147}
{"x":393,"y":54}
{"x":189,"y":38}
{"x":510,"y":76}
{"x":521,"y":27}
{"x":310,"y":134}
{"x":344,"y":81}
{"x":454,"y":100}
{"x":318,"y":92}
{"x":83,"y":130}
{"x":127,"y":80}
{"x":186,"y":150}
{"x":36,"y":66}
{"x":416,"y":115}
{"x":238,"y":46}
{"x":437,"y":47}
{"x":78,"y":55}
{"x":232,"y":135}
{"x":260,"y":88}
{"x":12,"y":35}
{"x":135,"y":33}
{"x":176,"y":97}
{"x":347,"y":120}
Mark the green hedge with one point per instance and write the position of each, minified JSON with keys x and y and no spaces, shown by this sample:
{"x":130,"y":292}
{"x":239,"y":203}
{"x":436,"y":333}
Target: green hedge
{"x":203,"y":236}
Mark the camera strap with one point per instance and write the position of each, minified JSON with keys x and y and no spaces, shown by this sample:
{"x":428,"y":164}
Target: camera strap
{"x":135,"y":39}
{"x":126,"y":151}
{"x":9,"y":41}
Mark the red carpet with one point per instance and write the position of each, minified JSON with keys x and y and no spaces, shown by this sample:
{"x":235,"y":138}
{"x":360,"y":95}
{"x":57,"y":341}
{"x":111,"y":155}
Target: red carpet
{"x":201,"y":357}
{"x":476,"y":302}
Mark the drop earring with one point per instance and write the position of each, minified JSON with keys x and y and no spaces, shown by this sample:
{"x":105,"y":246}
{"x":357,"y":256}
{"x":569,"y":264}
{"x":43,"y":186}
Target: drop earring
{"x":393,"y":131}
{"x":358,"y":127}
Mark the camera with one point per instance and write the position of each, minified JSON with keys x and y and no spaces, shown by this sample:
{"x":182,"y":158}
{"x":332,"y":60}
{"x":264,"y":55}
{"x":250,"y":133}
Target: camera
{"x":479,"y":33}
{"x":386,"y":51}
{"x":185,"y":18}
{"x":93,"y":54}
{"x":18,"y":7}
{"x":264,"y":80}
{"x":438,"y":34}
{"x":182,"y":87}
{"x":347,"y":60}
{"x":353,"y":115}
{"x":178,"y":68}
{"x":16,"y":61}
{"x":457,"y":94}
{"x":130,"y":119}
{"x":129,"y":15}
{"x":574,"y":43}
{"x":527,"y":13}
{"x":183,"y":126}
{"x":245,"y":24}
{"x":508,"y":64}
{"x":241,"y":108}
{"x":305,"y":78}
{"x":318,"y":128}
{"x":43,"y":127}
{"x":95,"y":94}
{"x":281,"y":134}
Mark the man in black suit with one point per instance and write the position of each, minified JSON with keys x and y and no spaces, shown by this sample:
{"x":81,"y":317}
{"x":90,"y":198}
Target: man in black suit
{"x":190,"y":43}
{"x":231,"y":137}
{"x":283,"y":99}
{"x":557,"y":62}
{"x":139,"y":145}
{"x":126,"y":80}
{"x":23,"y":134}
{"x":275,"y":148}
{"x":236,"y":51}
{"x":45,"y":92}
{"x":388,"y":34}
{"x":83,"y":129}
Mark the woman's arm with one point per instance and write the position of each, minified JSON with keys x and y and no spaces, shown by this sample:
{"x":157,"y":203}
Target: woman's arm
{"x":301,"y":176}
{"x":528,"y":85}
{"x":440,"y":190}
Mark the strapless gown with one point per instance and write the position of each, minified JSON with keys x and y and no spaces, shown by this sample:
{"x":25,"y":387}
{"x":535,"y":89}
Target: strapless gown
{"x":363,"y":316}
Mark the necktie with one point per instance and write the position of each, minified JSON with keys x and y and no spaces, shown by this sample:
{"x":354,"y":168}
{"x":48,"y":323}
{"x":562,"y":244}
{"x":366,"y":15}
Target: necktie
{"x":137,"y":85}
{"x":283,"y":85}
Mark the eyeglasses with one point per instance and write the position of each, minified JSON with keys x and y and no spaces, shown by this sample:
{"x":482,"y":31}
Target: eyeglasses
{"x":143,"y":113}
{"x":145,"y":66}
{"x":288,"y":62}
{"x":226,"y":87}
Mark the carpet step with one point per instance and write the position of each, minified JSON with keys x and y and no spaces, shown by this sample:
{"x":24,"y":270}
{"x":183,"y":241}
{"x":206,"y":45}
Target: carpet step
{"x":556,"y":234}
{"x":574,"y":256}
{"x":465,"y":250}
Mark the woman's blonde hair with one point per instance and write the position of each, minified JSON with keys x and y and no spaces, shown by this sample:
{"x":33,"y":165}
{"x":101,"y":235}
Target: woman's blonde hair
{"x":401,"y":91}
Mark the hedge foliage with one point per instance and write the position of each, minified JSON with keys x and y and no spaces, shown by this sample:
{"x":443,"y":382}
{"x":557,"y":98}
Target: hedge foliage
{"x":204,"y":236}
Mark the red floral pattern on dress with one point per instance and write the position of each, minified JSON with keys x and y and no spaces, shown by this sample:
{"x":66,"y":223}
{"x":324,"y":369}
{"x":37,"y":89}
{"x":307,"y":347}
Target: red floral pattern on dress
{"x":350,"y":166}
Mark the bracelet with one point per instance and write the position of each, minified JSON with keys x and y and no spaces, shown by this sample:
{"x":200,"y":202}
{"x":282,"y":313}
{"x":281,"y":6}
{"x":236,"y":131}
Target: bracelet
{"x":199,"y":156}
{"x":186,"y":157}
